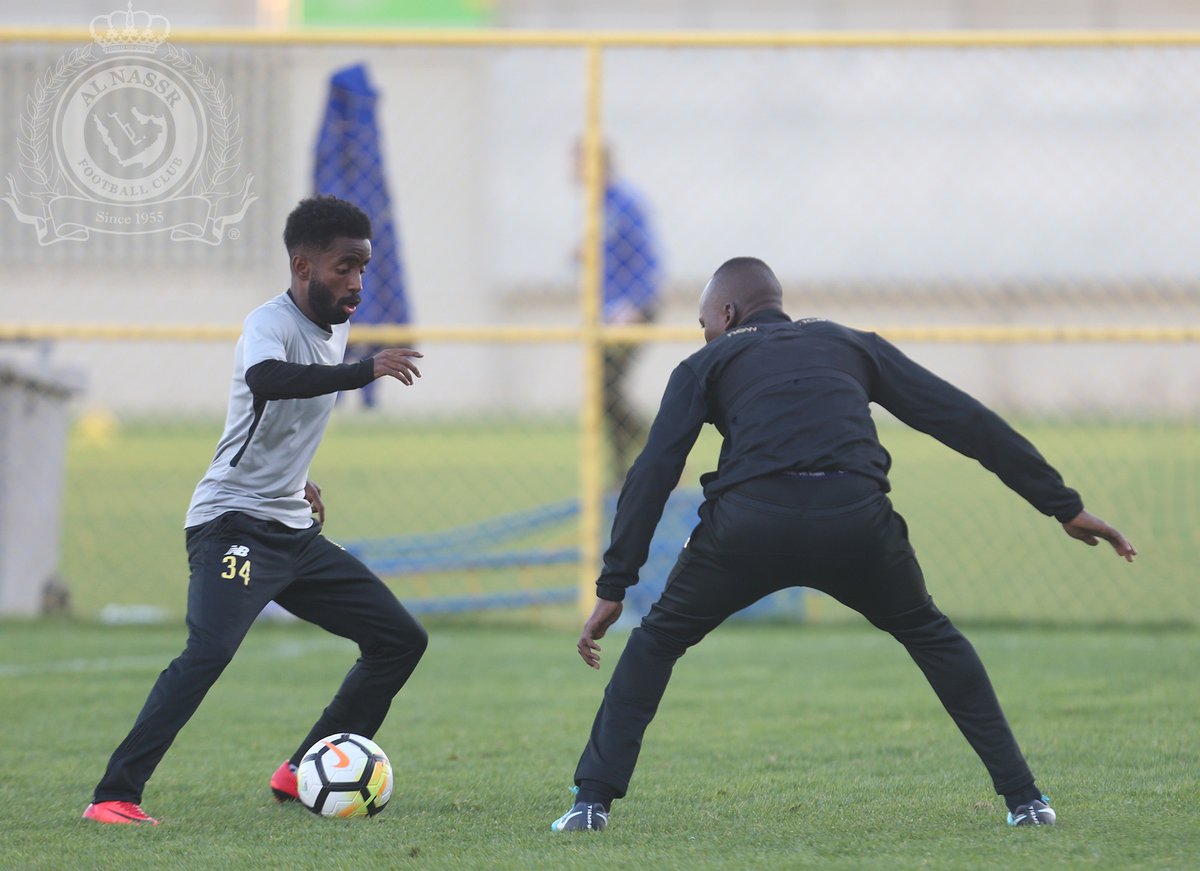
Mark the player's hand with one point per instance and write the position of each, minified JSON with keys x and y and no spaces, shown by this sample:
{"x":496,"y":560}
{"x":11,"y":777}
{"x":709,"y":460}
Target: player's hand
{"x":604,"y":615}
{"x":312,"y":494}
{"x":396,"y":362}
{"x":1089,"y":529}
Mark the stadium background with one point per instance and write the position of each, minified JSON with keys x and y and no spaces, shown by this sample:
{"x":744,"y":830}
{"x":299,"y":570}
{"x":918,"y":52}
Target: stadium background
{"x":1013,"y":208}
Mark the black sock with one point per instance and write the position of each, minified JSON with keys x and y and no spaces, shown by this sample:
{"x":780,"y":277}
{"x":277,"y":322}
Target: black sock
{"x":592,"y":791}
{"x":1022,"y":796}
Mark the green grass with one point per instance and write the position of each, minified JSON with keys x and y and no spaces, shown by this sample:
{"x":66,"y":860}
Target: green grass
{"x":987,"y":555}
{"x":776,"y":747}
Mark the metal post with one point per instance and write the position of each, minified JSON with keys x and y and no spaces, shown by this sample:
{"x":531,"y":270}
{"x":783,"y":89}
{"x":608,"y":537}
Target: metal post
{"x":591,"y":413}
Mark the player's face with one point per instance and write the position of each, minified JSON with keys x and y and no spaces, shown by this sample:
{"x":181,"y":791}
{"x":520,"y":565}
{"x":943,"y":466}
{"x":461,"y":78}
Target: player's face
{"x":335,"y":284}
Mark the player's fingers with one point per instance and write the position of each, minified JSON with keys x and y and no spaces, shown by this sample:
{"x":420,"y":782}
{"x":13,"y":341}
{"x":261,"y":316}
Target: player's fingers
{"x":396,"y":354}
{"x":1084,"y":535}
{"x":1121,"y":545}
{"x":589,"y":652}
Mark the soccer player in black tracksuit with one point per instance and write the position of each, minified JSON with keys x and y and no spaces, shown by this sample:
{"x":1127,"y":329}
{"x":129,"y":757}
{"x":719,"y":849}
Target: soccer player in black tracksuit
{"x":798,"y":499}
{"x":251,"y":536}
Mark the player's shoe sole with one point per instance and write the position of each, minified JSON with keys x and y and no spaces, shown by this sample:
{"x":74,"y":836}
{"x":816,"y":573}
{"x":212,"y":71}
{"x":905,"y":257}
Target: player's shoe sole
{"x":583,"y":817}
{"x":1036,"y":813}
{"x":118,"y":813}
{"x":283,"y":784}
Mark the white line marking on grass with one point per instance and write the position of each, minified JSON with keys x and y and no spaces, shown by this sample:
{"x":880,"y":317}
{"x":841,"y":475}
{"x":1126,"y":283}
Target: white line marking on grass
{"x":157,"y":662}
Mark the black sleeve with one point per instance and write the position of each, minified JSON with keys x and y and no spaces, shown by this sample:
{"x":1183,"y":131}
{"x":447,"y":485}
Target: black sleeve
{"x":936,"y":407}
{"x":650,"y":481}
{"x":278,"y":379}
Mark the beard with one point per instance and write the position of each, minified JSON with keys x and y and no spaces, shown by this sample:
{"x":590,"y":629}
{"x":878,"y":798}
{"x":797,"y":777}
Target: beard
{"x":323,"y":304}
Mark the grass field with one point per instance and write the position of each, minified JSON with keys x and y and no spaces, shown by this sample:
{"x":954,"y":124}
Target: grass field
{"x":988,"y":556}
{"x":776,"y":747}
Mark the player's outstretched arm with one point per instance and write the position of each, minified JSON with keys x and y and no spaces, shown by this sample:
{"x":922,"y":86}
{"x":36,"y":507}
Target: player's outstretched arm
{"x":1089,"y":529}
{"x":396,"y":362}
{"x":604,"y":615}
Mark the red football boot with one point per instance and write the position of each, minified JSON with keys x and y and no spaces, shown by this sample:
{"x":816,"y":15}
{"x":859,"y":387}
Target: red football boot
{"x":119,"y":812}
{"x":283,"y":784}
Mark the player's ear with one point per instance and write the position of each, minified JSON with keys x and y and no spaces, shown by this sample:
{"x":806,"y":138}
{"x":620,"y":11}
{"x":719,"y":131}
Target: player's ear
{"x":301,"y":266}
{"x":731,"y":315}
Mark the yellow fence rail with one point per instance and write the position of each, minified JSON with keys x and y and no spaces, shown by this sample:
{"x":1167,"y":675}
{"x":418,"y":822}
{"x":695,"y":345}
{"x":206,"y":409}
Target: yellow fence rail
{"x":624,"y":335}
{"x":643,"y":39}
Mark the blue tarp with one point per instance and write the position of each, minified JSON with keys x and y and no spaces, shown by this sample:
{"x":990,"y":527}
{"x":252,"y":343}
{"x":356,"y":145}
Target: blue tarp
{"x":349,"y":164}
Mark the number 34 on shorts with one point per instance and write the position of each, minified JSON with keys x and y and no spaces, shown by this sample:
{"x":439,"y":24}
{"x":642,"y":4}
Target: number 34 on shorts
{"x":232,"y":569}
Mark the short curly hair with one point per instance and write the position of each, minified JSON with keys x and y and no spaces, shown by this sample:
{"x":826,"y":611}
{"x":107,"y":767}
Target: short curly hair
{"x":317,"y":221}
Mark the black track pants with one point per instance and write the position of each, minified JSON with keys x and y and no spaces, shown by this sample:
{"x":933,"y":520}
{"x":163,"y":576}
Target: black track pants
{"x":839,"y":535}
{"x":238,"y":564}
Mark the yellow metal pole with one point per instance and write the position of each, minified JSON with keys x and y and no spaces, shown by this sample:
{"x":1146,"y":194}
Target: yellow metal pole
{"x":591,"y":484}
{"x":980,"y":334}
{"x":650,"y":38}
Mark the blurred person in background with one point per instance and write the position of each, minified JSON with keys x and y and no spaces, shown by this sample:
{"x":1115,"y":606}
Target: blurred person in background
{"x":632,"y":280}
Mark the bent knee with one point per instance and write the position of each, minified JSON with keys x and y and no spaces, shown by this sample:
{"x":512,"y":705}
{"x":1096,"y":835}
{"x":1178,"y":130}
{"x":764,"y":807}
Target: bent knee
{"x":403,"y":641}
{"x":418,"y":640}
{"x":658,"y":642}
{"x":212,"y":655}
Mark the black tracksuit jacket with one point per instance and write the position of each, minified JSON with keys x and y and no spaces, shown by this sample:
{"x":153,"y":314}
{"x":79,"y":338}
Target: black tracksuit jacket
{"x":794,"y":396}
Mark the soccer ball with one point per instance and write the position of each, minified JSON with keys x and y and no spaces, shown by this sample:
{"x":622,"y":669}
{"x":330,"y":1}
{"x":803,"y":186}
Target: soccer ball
{"x":345,"y":775}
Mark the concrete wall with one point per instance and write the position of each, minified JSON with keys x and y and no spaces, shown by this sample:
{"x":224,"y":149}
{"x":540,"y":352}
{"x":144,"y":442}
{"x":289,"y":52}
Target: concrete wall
{"x":885,"y":186}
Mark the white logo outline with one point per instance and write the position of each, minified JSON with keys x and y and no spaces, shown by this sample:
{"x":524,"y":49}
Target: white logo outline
{"x":214,"y":202}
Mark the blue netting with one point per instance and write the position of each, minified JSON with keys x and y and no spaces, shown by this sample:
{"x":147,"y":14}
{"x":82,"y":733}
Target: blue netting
{"x":482,"y":546}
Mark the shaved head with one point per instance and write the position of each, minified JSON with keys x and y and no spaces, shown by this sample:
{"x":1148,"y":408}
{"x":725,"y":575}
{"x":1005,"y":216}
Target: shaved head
{"x":738,"y":289}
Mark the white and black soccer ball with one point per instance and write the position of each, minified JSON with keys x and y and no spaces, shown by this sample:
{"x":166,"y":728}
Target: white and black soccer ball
{"x":345,"y":775}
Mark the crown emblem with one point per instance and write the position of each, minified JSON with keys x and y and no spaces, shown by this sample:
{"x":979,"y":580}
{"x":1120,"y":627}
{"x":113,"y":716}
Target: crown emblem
{"x":127,"y":30}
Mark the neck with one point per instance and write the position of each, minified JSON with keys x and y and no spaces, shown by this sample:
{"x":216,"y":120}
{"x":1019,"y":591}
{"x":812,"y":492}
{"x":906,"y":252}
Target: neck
{"x":296,"y":296}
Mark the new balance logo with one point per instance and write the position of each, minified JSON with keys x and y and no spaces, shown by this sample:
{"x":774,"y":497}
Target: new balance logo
{"x":238,"y":550}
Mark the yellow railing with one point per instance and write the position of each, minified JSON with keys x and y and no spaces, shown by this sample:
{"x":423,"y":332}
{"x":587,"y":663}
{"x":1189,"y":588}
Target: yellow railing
{"x":633,"y":334}
{"x":634,"y":39}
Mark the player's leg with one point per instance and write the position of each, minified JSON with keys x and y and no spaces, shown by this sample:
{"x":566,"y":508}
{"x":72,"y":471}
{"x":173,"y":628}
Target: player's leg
{"x":235,"y":571}
{"x":334,"y":590}
{"x":621,"y":418}
{"x":703,"y":589}
{"x":884,"y":582}
{"x":765,"y":535}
